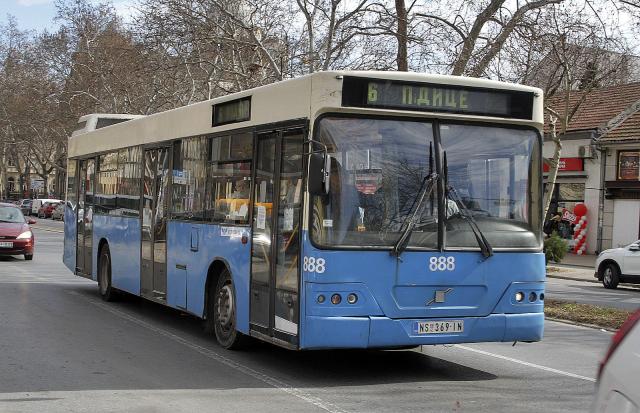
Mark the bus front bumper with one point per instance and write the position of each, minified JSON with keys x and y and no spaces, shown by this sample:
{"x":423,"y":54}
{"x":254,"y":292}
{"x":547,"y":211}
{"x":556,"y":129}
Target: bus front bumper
{"x":383,"y":332}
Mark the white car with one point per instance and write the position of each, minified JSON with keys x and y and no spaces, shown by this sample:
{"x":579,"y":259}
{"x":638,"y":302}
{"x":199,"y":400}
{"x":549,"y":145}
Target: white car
{"x":618,"y":391}
{"x":619,"y":265}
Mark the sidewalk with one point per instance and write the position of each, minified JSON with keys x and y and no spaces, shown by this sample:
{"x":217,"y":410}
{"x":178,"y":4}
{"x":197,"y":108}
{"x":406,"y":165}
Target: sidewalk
{"x":574,"y":267}
{"x":579,"y":260}
{"x":572,"y":273}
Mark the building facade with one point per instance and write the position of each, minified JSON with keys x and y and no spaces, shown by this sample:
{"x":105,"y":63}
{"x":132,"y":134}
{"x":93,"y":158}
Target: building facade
{"x":599,"y":166}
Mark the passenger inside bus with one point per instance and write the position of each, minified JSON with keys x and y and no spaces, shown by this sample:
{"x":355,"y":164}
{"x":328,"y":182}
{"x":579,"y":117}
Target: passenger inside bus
{"x":239,"y":208}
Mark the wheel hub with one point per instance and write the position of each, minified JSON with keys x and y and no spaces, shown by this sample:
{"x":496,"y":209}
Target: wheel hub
{"x":225,"y":306}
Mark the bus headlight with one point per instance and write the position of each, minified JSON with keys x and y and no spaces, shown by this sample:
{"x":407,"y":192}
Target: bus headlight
{"x":336,"y":299}
{"x":519,"y":296}
{"x":352,"y":298}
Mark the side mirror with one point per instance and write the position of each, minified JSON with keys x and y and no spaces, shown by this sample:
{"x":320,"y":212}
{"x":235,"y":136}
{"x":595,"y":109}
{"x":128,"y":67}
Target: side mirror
{"x":31,"y":221}
{"x":319,"y":167}
{"x":634,"y":247}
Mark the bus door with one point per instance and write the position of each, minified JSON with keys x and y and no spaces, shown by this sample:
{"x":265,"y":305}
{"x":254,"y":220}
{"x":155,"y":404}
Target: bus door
{"x":153,"y":258}
{"x":84,"y":244}
{"x":277,"y":209}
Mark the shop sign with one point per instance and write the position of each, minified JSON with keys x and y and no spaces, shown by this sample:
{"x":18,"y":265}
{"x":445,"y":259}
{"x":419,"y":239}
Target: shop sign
{"x":567,"y":164}
{"x":569,"y":216}
{"x":628,"y":165}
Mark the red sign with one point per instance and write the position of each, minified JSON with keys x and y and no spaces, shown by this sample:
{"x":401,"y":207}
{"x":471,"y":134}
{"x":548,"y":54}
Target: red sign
{"x":368,"y":183}
{"x":568,"y":216}
{"x":567,"y":164}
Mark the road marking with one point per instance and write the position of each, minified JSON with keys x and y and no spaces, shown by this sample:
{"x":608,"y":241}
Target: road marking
{"x":48,"y":229}
{"x":526,"y":363}
{"x":272,"y":381}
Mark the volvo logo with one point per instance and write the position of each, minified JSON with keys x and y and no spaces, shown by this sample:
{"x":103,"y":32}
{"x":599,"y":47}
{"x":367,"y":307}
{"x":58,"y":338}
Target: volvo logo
{"x":439,"y":296}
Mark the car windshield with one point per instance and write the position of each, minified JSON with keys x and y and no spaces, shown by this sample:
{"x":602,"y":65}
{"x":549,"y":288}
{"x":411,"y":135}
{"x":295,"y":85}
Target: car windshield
{"x":378,"y":167}
{"x":11,"y":214}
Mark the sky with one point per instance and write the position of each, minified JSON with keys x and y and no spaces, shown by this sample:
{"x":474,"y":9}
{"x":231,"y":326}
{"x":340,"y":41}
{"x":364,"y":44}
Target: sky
{"x":40,"y":14}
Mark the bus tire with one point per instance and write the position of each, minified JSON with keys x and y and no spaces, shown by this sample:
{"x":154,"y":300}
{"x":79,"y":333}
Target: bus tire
{"x":222,"y":313}
{"x":610,"y":276}
{"x":107,"y":292}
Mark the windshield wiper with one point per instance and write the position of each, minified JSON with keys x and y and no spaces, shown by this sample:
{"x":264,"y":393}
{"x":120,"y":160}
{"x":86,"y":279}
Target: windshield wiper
{"x":428,"y":183}
{"x":467,"y":216}
{"x":465,"y":212}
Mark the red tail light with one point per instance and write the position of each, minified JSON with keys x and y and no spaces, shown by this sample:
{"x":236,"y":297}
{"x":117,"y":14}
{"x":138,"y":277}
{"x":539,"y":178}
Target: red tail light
{"x":618,"y":337}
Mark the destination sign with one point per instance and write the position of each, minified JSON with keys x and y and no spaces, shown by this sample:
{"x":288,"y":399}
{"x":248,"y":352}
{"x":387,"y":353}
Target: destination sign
{"x":388,"y":94}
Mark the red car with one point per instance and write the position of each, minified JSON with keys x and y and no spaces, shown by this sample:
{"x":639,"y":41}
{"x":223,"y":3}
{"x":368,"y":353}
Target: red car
{"x":46,"y":210}
{"x":16,"y":237}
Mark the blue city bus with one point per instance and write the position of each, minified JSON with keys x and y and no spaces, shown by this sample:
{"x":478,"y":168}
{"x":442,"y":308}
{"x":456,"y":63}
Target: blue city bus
{"x":334,"y":210}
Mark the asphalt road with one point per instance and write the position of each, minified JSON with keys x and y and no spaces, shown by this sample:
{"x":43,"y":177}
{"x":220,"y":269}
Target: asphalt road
{"x":63,"y":349}
{"x":623,"y":297}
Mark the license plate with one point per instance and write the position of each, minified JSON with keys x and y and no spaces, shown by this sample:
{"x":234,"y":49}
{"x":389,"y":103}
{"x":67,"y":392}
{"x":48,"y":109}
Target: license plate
{"x":6,"y":244}
{"x":440,"y":327}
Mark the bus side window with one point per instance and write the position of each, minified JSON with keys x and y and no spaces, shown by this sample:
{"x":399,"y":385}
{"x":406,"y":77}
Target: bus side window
{"x":229,"y":179}
{"x":189,"y":171}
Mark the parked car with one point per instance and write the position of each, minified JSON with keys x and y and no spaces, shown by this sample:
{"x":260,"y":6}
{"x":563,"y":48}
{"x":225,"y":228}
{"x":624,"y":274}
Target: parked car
{"x":25,"y":206}
{"x":617,"y":388}
{"x":16,"y":237}
{"x":46,"y":210}
{"x":37,"y":203}
{"x":618,"y":265}
{"x":58,"y":212}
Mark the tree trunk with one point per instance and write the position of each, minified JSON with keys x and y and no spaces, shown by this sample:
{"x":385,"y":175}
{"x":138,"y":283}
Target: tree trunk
{"x":553,"y":168}
{"x":401,"y":36}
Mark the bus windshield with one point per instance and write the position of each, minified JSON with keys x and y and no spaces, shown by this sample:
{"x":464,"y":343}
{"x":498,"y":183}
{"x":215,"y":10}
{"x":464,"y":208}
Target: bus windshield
{"x":379,"y":165}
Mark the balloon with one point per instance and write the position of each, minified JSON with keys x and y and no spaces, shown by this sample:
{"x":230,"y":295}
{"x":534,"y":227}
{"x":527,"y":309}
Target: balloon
{"x":580,"y":210}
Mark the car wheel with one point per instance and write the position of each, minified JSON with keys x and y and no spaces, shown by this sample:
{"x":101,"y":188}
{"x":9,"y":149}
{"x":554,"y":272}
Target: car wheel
{"x":222,"y":313}
{"x":610,"y":276}
{"x":107,"y":292}
{"x":28,"y":257}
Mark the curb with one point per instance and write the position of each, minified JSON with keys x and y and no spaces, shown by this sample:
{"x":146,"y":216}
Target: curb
{"x":565,"y":277}
{"x":623,"y":286}
{"x":564,"y":265}
{"x":576,"y":323}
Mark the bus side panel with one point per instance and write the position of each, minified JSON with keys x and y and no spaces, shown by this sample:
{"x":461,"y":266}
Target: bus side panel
{"x":195,"y":246}
{"x":123,"y":236}
{"x":70,"y":237}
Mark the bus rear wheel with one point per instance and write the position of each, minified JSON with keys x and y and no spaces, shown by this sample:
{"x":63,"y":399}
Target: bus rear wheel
{"x":107,"y":292}
{"x":222,"y":313}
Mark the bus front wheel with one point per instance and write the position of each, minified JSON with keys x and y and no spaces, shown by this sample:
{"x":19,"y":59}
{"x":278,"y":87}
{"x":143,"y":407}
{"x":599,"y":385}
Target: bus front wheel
{"x":222,"y":313}
{"x":107,"y":292}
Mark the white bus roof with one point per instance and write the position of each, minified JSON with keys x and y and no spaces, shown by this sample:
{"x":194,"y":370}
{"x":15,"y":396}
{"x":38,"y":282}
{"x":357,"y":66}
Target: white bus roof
{"x":90,"y":122}
{"x":303,"y":97}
